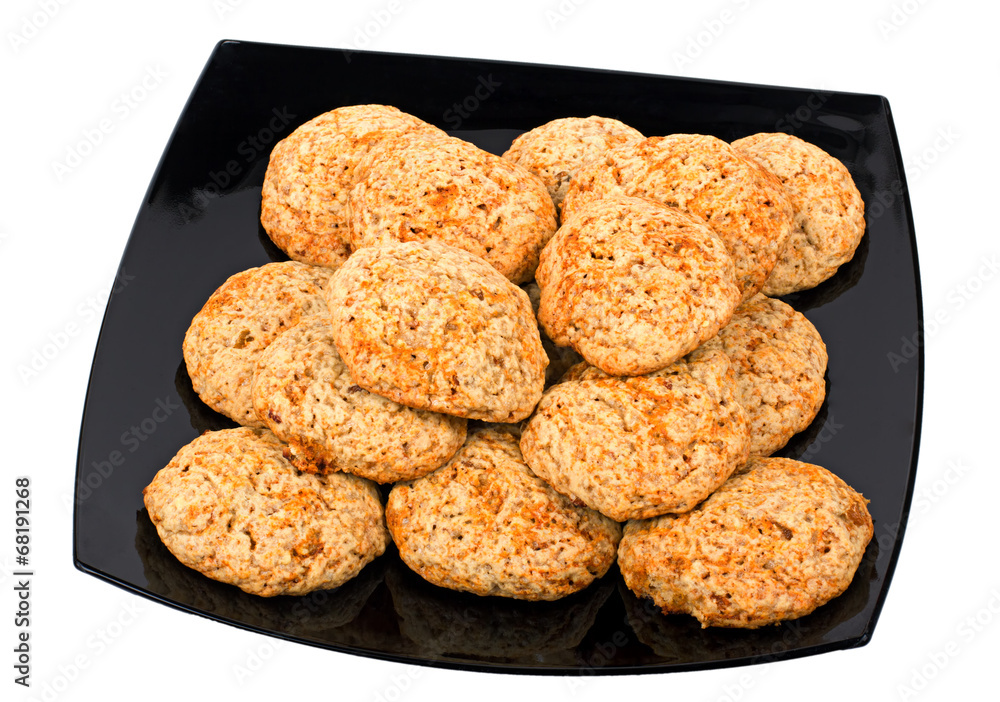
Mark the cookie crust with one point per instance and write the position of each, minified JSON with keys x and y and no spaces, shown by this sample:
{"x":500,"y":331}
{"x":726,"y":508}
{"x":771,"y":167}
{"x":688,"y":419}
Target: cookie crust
{"x":633,"y":285}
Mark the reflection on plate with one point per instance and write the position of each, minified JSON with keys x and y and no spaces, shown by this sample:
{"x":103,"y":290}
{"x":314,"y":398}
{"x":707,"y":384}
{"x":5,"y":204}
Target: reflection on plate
{"x":445,"y":623}
{"x":199,"y":224}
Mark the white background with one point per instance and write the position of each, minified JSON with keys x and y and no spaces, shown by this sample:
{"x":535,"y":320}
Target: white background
{"x":64,"y":65}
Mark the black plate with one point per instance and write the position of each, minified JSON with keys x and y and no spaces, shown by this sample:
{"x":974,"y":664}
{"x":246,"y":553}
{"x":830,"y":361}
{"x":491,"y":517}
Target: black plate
{"x":199,"y":224}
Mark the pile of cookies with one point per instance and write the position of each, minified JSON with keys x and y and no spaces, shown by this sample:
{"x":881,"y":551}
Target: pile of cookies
{"x":528,"y":352}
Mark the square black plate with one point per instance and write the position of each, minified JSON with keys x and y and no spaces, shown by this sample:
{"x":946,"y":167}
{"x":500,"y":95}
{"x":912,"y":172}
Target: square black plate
{"x":199,"y":224}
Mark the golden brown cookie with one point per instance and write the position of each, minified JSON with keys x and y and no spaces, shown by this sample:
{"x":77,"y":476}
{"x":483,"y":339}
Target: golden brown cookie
{"x":829,"y":211}
{"x":311,"y":172}
{"x":633,"y":285}
{"x":641,"y":446}
{"x":434,"y":327}
{"x":776,"y":541}
{"x":556,"y":150}
{"x":304,"y":393}
{"x":779,"y":361}
{"x":236,"y":324}
{"x":741,"y":201}
{"x":230,"y":506}
{"x":426,"y":186}
{"x":484,"y":523}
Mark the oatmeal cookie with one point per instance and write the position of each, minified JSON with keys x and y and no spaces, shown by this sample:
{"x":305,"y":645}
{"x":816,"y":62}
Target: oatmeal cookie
{"x":484,"y":523}
{"x":640,"y":446}
{"x":777,"y":540}
{"x":434,"y":327}
{"x":633,"y":285}
{"x":230,"y":506}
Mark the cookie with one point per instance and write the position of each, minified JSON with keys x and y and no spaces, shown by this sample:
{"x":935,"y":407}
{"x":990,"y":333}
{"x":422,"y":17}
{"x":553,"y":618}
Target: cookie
{"x":829,"y":211}
{"x":484,"y":523}
{"x":311,"y":172}
{"x":641,"y":446}
{"x":434,"y":327}
{"x":230,"y":506}
{"x":779,"y":539}
{"x":633,"y":285}
{"x":779,"y":360}
{"x":742,"y":202}
{"x":422,"y":187}
{"x":556,"y":150}
{"x":236,"y":324}
{"x":304,"y":393}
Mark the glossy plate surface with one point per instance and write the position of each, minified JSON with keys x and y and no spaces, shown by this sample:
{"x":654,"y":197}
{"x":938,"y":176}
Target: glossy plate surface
{"x":199,"y":224}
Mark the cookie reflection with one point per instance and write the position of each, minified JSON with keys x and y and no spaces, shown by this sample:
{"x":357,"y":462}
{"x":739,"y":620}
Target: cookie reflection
{"x":446,"y":623}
